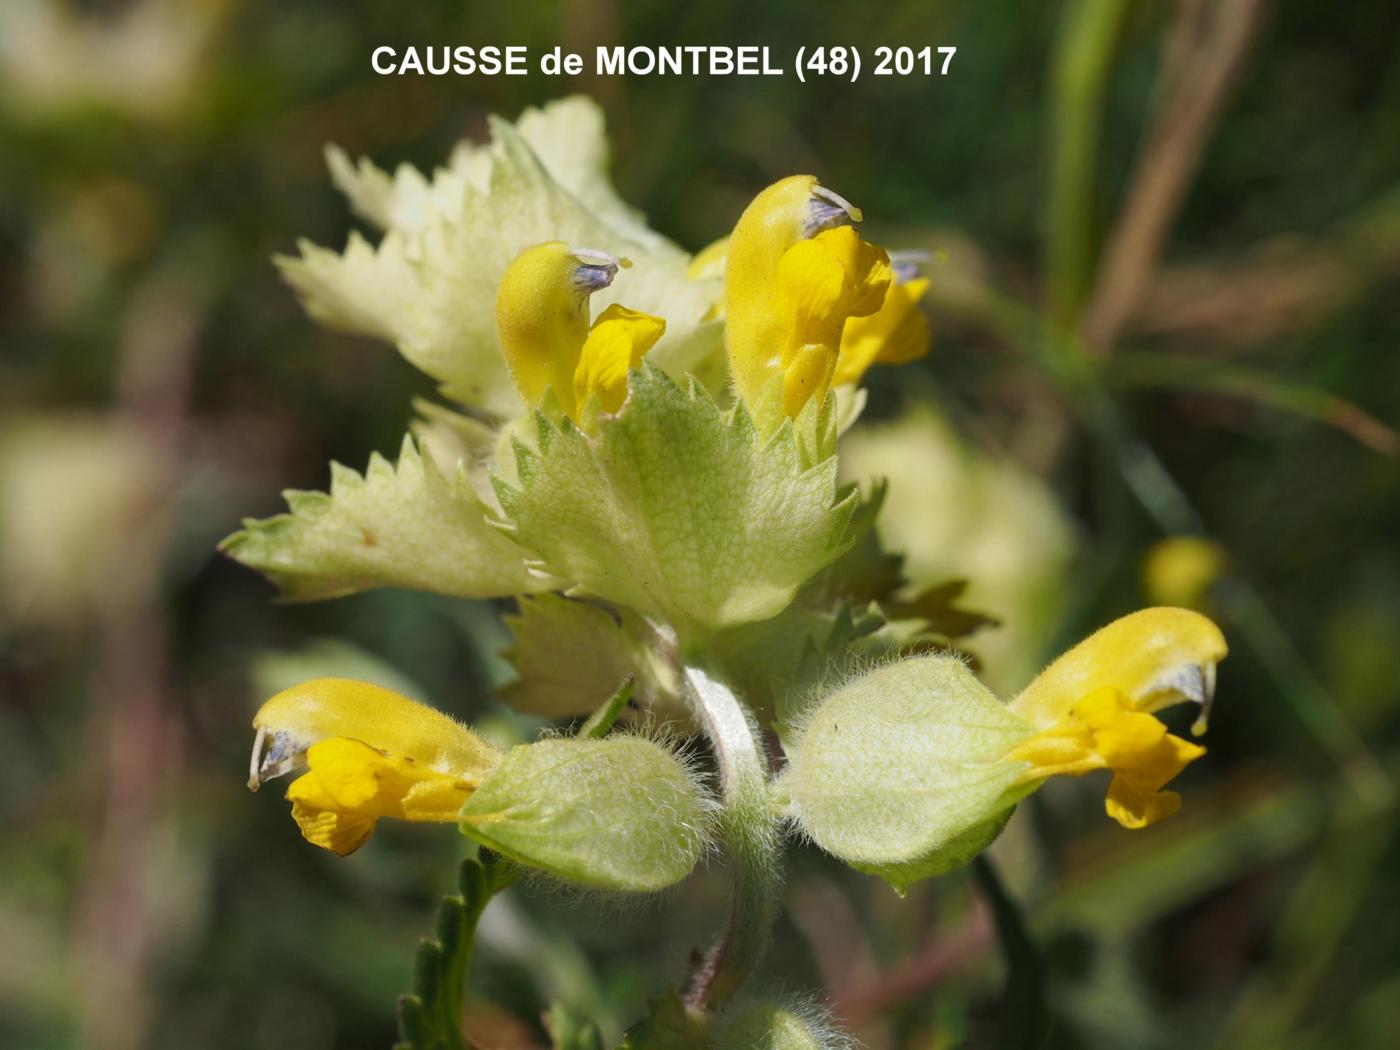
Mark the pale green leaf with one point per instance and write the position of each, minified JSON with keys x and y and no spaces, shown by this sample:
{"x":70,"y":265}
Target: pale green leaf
{"x":678,"y":509}
{"x":621,"y":813}
{"x":406,"y":202}
{"x":902,"y":770}
{"x":570,"y":138}
{"x":405,"y":526}
{"x":668,"y":1025}
{"x":364,"y":290}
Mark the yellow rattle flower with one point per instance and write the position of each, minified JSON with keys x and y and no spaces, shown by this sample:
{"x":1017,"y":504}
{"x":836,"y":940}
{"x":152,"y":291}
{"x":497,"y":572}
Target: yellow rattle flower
{"x":368,"y":752}
{"x":895,"y":334}
{"x":795,"y":271}
{"x":542,"y":317}
{"x":1093,"y":709}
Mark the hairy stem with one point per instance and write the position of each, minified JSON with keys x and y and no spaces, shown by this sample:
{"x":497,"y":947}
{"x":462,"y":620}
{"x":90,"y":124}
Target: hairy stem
{"x":750,"y":836}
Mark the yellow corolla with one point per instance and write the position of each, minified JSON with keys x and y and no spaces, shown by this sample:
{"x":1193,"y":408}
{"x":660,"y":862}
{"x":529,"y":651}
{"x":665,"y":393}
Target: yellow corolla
{"x":542,"y":317}
{"x":1093,"y":708}
{"x":895,"y":334}
{"x":795,"y":271}
{"x":368,"y":752}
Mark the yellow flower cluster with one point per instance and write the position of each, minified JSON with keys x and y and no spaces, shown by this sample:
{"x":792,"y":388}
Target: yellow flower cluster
{"x":805,"y":299}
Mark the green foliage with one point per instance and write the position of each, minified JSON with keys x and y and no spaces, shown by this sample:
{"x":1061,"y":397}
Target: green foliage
{"x":678,"y":510}
{"x":622,"y":813}
{"x":569,"y":656}
{"x":568,"y":1032}
{"x":901,"y":771}
{"x":600,"y":722}
{"x":1024,"y":1018}
{"x":430,"y":1017}
{"x":404,"y":526}
{"x":668,"y":1025}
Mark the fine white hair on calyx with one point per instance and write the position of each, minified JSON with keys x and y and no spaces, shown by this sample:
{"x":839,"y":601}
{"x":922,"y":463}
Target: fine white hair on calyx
{"x":698,"y":838}
{"x":837,"y":676}
{"x":810,"y":1012}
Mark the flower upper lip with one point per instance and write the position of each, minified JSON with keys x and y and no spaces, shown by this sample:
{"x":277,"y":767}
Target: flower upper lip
{"x":597,"y":269}
{"x":274,"y":753}
{"x":1185,"y":683}
{"x":828,"y":209}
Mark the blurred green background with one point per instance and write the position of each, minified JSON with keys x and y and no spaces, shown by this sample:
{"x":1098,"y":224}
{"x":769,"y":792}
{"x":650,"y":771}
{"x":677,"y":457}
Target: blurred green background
{"x":1167,"y":243}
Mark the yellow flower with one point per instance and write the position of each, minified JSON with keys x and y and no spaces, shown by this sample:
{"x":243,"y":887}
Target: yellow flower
{"x":368,"y":752}
{"x":614,"y":347}
{"x":542,"y":318}
{"x":795,"y":272}
{"x":1181,"y":570}
{"x":894,"y":335}
{"x":1093,"y":708}
{"x":1103,"y":730}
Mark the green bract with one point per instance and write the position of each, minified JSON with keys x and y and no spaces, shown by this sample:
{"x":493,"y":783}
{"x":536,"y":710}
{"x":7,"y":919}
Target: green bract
{"x":678,"y":509}
{"x":901,"y":771}
{"x":621,"y":813}
{"x":394,"y":527}
{"x":571,"y":656}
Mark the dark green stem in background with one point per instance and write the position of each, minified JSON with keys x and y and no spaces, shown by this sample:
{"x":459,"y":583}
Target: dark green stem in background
{"x":750,"y":838}
{"x":1024,"y":1021}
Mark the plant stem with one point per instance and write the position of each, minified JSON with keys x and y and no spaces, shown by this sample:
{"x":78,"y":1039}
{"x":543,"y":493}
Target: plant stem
{"x":750,"y":836}
{"x":1024,"y":1020}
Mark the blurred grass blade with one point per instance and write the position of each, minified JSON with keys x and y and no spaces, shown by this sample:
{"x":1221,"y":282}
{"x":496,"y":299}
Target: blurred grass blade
{"x":1024,"y":1020}
{"x":1196,"y":374}
{"x":1080,"y":71}
{"x":430,"y":1017}
{"x":568,"y":1032}
{"x":1309,"y":931}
